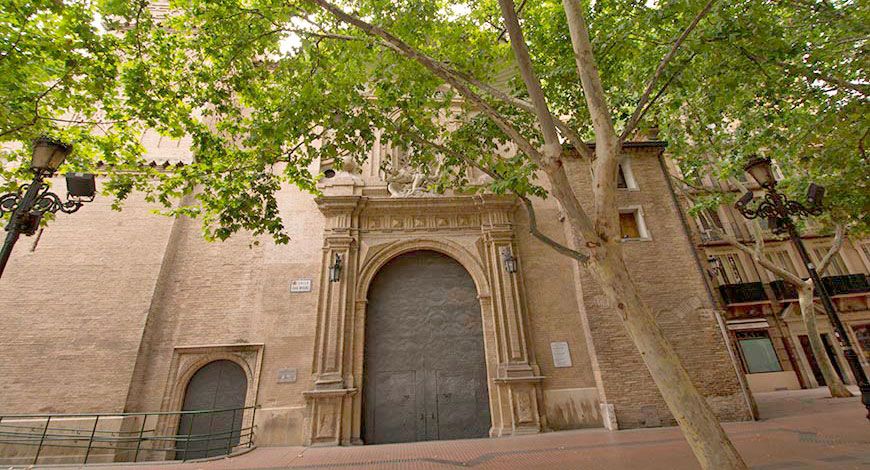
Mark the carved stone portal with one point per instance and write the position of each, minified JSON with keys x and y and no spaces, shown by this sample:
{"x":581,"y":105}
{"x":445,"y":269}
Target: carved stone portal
{"x":367,"y":232}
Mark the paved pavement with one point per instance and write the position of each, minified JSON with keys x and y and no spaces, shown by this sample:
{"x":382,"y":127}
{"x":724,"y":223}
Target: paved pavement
{"x":798,"y":430}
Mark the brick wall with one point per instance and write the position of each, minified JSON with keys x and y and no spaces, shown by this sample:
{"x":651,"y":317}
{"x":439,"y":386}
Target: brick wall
{"x":665,"y":272}
{"x":72,"y":310}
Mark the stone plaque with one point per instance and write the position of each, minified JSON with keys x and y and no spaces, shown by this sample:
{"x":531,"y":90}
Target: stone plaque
{"x":286,"y":376}
{"x":300,"y":285}
{"x":561,"y":354}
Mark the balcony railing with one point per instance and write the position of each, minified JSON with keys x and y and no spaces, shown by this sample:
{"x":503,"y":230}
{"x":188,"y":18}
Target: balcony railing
{"x":834,"y":285}
{"x":746,"y":292}
{"x":848,"y":284}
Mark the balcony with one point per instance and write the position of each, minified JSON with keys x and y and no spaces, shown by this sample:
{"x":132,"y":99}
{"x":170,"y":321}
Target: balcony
{"x":848,"y":284}
{"x":834,"y":285}
{"x":743,"y":293}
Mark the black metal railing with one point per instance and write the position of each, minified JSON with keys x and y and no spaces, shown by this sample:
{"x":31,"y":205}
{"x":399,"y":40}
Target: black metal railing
{"x":834,"y":285}
{"x":848,"y":284}
{"x":745,"y":292}
{"x":124,"y":437}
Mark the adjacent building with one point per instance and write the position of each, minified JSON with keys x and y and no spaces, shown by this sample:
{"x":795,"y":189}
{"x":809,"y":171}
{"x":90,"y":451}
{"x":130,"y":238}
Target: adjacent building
{"x":761,"y":311}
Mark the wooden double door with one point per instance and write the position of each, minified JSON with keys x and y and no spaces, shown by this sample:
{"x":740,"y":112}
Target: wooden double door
{"x":424,"y":367}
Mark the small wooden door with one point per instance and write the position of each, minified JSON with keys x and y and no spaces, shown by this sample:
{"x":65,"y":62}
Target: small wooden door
{"x":424,"y":367}
{"x":217,"y":385}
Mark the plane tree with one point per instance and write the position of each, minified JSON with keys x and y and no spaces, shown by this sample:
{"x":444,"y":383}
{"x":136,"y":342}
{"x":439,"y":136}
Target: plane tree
{"x":265,"y":89}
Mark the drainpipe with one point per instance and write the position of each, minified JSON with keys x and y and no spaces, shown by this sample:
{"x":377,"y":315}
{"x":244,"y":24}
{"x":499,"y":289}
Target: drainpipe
{"x":741,"y":378}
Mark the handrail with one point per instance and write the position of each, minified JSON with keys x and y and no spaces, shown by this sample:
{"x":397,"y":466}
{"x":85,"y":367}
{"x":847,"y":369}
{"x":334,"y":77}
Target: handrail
{"x":169,"y":437}
{"x":4,"y":416}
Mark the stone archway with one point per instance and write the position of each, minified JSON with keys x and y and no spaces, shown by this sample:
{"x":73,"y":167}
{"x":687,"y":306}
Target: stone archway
{"x":366,"y":233}
{"x":424,"y":368}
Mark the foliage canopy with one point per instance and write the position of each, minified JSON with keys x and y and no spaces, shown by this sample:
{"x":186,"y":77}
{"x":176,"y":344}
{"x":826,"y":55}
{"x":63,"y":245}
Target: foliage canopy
{"x":265,"y":89}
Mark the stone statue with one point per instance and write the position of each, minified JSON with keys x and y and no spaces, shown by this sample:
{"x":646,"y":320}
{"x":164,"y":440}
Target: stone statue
{"x":407,"y":182}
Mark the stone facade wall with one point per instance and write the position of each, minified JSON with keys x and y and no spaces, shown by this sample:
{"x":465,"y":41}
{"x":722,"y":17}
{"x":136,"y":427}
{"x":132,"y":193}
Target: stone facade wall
{"x":72,"y":311}
{"x":130,"y":303}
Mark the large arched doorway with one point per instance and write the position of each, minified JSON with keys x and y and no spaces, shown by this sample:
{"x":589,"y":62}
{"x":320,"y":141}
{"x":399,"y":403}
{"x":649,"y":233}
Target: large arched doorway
{"x":218,"y":385}
{"x":424,"y":366}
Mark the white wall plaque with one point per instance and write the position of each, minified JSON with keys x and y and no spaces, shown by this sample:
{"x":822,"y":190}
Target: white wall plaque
{"x":286,"y":376}
{"x":561,"y":354}
{"x":300,"y":285}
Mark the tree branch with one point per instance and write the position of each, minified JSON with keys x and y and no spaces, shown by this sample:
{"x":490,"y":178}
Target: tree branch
{"x":835,"y":247}
{"x":651,"y":83}
{"x":570,"y":134}
{"x":533,"y":229}
{"x":552,"y":147}
{"x":533,"y":224}
{"x":560,"y":184}
{"x":759,"y":258}
{"x":439,"y":70}
{"x":607,"y":143}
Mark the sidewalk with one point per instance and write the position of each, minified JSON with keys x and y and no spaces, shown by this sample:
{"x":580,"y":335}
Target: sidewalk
{"x":798,"y":430}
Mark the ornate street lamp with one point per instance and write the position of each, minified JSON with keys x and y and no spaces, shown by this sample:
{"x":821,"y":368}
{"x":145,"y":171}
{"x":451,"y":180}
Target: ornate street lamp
{"x":778,"y":210}
{"x":31,"y":201}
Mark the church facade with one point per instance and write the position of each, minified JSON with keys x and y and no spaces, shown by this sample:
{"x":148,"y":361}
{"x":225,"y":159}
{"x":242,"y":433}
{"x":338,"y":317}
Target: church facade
{"x":392,"y":315}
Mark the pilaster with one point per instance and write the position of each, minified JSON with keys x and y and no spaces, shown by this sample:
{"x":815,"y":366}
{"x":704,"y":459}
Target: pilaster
{"x":518,"y":375}
{"x":332,"y":391}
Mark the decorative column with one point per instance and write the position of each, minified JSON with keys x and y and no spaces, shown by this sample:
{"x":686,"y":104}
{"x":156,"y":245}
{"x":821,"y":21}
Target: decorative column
{"x":518,"y":376}
{"x":330,"y":397}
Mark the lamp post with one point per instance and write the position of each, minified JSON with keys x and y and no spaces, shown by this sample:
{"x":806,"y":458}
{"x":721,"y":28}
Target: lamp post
{"x":778,"y":210}
{"x":31,"y":201}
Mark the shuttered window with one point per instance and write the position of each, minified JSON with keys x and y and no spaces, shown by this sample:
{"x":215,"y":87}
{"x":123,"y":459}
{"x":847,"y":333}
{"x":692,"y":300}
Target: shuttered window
{"x":781,"y":259}
{"x":730,"y":269}
{"x":836,"y":267}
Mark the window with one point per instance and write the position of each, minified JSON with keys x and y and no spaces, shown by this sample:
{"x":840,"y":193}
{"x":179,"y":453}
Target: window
{"x":710,"y":223}
{"x":729,"y":269}
{"x":782,"y":259}
{"x":624,"y":175}
{"x":620,"y":179}
{"x":757,"y":351}
{"x":631,"y":224}
{"x":836,"y":267}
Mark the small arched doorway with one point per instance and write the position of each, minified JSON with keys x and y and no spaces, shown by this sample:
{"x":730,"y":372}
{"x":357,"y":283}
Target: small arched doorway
{"x":217,"y":385}
{"x":424,"y":364}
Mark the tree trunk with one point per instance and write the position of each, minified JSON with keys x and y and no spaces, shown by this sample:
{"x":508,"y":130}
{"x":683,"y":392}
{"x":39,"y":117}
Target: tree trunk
{"x":700,"y":426}
{"x":835,"y":385}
